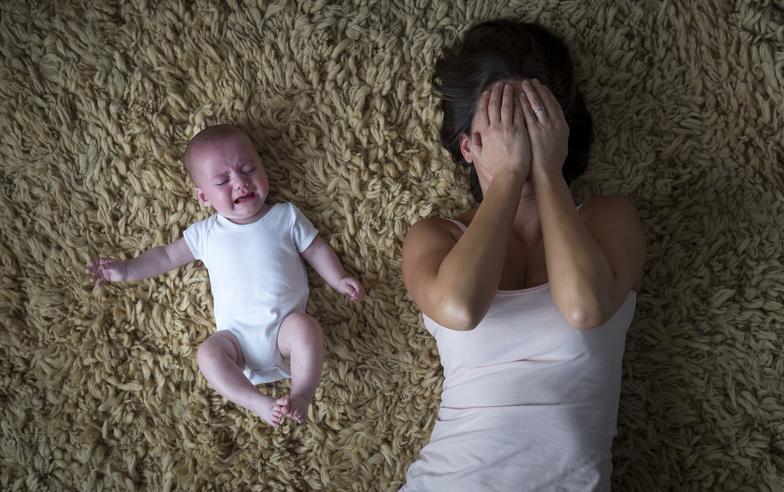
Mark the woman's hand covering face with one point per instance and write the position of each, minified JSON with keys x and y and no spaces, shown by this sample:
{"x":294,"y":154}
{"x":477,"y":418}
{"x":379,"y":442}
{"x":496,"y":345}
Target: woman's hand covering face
{"x":519,"y":127}
{"x":498,"y":141}
{"x":548,"y":132}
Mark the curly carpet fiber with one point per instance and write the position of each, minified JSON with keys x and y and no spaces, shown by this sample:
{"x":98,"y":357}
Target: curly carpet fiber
{"x":99,"y":390}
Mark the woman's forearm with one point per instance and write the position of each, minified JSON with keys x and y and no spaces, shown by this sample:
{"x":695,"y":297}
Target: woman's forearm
{"x":581,"y":278}
{"x":469,"y":275}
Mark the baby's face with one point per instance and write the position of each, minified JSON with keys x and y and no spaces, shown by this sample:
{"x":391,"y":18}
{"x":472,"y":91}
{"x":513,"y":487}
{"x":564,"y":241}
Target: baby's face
{"x":230,"y":177}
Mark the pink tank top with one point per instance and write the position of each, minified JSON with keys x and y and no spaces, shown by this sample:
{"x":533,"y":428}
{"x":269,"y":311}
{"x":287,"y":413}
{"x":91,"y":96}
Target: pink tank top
{"x":528,"y":402}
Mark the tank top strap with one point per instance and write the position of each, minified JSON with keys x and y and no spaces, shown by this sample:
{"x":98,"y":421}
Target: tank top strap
{"x":459,"y":224}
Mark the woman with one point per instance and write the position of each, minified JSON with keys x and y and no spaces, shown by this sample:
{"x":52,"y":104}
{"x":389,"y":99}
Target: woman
{"x":528,"y":296}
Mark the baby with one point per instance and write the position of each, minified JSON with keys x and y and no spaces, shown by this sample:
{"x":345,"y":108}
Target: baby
{"x":253,"y":251}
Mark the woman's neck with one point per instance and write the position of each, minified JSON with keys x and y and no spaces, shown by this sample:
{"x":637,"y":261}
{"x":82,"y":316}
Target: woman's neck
{"x":526,"y":226}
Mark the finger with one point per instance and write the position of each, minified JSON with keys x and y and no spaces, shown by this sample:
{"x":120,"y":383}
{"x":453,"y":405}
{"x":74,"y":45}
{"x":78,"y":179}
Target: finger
{"x":475,"y":144}
{"x":97,"y":275}
{"x":528,"y":112}
{"x":507,"y":102}
{"x":481,"y":119}
{"x":494,"y":105}
{"x":519,"y":114}
{"x":534,"y":100}
{"x":549,"y":101}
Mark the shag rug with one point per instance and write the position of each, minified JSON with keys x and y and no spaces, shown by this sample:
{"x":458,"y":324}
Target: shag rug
{"x":99,"y":390}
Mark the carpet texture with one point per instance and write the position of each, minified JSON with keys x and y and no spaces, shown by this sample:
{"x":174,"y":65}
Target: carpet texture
{"x":99,"y":390}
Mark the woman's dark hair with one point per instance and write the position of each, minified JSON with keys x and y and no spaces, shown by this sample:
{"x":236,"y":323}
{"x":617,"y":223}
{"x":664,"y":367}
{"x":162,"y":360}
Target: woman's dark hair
{"x":502,"y":50}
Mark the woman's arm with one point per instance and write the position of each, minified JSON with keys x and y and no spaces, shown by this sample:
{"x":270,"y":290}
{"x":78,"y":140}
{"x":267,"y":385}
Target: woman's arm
{"x":592,"y":263}
{"x":454,"y":281}
{"x":151,"y":263}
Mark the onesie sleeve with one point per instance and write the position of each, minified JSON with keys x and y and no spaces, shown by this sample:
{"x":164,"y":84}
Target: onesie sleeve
{"x":196,"y":237}
{"x":302,"y":231}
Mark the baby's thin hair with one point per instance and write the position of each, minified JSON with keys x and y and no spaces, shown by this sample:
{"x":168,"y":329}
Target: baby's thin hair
{"x":209,"y":134}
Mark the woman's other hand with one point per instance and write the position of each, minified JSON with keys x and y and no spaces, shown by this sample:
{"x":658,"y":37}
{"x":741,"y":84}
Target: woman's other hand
{"x":548,"y":132}
{"x":498,"y":141}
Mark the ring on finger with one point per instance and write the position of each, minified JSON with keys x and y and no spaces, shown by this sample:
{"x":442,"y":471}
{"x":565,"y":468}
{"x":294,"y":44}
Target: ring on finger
{"x":539,"y":109}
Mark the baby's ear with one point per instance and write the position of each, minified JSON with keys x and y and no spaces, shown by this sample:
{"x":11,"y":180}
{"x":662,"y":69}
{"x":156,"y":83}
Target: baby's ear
{"x":200,"y":196}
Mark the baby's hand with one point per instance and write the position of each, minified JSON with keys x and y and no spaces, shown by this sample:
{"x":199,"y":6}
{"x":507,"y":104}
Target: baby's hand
{"x":104,"y":270}
{"x":352,"y":288}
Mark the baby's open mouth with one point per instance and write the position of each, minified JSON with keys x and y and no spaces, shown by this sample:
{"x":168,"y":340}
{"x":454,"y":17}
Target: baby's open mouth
{"x":244,"y":198}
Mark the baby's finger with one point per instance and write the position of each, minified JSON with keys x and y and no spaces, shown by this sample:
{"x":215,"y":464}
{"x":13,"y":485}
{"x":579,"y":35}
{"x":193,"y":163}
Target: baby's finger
{"x":359,"y":290}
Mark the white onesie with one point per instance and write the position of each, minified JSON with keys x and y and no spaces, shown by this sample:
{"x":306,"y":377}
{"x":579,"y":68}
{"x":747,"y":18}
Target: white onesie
{"x":257,"y":278}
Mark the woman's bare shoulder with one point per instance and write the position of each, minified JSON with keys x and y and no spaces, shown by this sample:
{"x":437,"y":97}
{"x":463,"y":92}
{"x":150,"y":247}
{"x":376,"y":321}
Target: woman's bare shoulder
{"x":613,"y":206}
{"x":438,"y":227}
{"x":614,"y":223}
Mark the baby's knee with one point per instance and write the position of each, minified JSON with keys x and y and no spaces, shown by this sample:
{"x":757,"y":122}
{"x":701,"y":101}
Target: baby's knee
{"x":305,"y":328}
{"x":212,"y":350}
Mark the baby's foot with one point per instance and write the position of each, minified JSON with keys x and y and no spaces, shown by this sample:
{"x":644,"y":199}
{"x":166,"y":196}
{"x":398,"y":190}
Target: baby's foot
{"x":272,"y":412}
{"x":295,"y":407}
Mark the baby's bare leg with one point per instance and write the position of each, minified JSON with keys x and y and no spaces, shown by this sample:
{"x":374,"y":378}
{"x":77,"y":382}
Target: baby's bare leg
{"x":301,"y":341}
{"x":221,"y":361}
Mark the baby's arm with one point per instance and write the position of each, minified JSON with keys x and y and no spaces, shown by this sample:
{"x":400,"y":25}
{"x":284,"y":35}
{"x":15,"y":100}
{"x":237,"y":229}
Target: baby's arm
{"x":326,"y":263}
{"x":151,"y":263}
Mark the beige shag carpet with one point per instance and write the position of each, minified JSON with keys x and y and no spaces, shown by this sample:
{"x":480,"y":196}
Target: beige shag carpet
{"x":100,"y":390}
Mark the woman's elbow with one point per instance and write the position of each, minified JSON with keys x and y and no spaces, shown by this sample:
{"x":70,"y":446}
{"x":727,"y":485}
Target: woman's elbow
{"x":581,"y":311}
{"x":584,"y":319}
{"x":459,"y":316}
